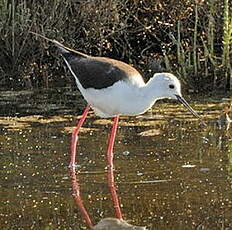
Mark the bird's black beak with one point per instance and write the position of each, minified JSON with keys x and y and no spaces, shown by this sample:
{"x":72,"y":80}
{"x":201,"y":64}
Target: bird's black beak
{"x":186,"y":104}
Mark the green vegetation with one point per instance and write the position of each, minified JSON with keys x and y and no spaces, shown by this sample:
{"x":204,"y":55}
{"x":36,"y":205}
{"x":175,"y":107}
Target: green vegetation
{"x":190,"y":38}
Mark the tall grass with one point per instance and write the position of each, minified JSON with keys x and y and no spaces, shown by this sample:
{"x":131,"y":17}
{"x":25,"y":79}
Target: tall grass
{"x":195,"y":38}
{"x":191,"y":38}
{"x":200,"y":61}
{"x":227,"y":42}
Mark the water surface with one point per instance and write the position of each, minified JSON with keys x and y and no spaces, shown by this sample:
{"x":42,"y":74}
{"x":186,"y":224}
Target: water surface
{"x":171,"y":173}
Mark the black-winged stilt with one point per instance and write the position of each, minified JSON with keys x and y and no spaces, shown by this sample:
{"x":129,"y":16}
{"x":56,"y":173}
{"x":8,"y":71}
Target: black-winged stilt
{"x":113,"y":88}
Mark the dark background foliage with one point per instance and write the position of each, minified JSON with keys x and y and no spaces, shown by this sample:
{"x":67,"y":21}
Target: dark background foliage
{"x":191,"y":38}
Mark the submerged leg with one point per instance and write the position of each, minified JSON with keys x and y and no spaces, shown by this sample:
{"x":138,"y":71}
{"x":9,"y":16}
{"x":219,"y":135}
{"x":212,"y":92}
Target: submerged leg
{"x":110,"y":173}
{"x":75,"y":137}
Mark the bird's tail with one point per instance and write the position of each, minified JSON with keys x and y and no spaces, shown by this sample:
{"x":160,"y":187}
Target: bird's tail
{"x":63,"y":49}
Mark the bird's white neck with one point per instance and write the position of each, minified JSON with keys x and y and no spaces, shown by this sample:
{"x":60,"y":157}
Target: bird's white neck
{"x":152,"y":91}
{"x":145,"y":97}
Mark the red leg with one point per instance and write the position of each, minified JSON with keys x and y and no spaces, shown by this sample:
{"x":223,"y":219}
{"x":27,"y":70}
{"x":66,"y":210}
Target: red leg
{"x":110,"y":173}
{"x":72,"y":171}
{"x":75,"y":137}
{"x":110,"y":154}
{"x":77,"y":198}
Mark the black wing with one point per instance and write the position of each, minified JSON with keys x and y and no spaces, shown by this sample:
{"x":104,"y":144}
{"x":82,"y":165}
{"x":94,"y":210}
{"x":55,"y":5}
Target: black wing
{"x":98,"y":72}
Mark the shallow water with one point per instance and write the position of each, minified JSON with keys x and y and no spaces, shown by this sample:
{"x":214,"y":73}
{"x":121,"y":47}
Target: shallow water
{"x":171,"y":173}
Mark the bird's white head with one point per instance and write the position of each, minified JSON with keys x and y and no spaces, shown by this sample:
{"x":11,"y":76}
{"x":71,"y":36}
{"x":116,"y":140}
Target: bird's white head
{"x":166,"y":85}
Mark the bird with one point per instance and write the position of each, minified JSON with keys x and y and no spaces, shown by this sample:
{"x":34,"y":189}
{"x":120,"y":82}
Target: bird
{"x":113,"y":88}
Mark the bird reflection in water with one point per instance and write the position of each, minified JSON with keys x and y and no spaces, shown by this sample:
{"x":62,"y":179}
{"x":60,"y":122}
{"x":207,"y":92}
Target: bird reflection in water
{"x":106,"y":223}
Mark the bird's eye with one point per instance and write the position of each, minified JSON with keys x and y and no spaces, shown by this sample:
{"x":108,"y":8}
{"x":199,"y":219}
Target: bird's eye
{"x":171,"y":86}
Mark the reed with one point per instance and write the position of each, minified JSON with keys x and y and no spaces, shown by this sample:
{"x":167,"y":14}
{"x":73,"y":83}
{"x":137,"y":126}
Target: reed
{"x":211,"y":27}
{"x":13,"y":30}
{"x":209,"y":47}
{"x":227,"y":41}
{"x":167,"y":62}
{"x":195,"y":39}
{"x":181,"y":54}
{"x":227,"y":36}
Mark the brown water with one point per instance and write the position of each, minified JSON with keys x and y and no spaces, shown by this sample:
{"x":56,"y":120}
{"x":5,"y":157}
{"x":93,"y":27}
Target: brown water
{"x":171,"y":173}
